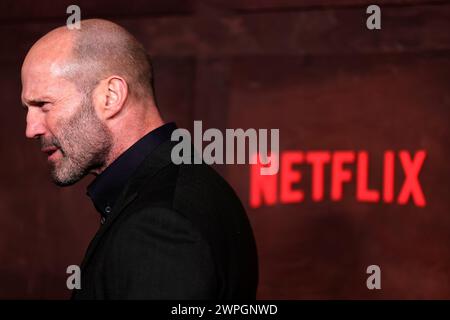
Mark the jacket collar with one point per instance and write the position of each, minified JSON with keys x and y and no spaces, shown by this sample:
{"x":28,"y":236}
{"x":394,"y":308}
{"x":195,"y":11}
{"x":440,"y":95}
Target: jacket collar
{"x":153,"y":163}
{"x":107,"y":187}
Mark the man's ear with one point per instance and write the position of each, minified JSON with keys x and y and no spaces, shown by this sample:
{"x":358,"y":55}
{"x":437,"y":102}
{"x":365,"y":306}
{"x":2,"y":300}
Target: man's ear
{"x":110,"y":96}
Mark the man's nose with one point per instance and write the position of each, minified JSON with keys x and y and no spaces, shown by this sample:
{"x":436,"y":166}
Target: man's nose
{"x":35,"y":125}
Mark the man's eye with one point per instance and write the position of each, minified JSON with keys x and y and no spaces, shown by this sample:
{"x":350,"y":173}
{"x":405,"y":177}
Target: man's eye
{"x":44,"y":105}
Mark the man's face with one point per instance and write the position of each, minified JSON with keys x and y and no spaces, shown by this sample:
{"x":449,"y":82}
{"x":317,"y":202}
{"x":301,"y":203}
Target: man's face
{"x":64,"y":120}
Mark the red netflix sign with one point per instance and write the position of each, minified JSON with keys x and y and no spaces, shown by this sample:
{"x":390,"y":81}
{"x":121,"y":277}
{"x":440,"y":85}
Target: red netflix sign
{"x":279,"y":188}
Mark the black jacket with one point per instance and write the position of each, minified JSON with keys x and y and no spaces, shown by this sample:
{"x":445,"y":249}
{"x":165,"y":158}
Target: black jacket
{"x":177,"y":232}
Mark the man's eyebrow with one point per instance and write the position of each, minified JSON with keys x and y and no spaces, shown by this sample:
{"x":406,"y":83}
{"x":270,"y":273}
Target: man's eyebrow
{"x":35,"y":102}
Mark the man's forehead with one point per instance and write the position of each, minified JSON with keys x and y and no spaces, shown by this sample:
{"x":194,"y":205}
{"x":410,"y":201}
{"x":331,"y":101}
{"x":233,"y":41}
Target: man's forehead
{"x":49,"y":53}
{"x":44,"y":66}
{"x":45,"y":87}
{"x":47,"y":67}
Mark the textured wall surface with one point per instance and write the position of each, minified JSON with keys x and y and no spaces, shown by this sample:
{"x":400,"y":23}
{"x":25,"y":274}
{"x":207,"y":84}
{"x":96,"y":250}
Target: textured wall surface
{"x":309,"y":68}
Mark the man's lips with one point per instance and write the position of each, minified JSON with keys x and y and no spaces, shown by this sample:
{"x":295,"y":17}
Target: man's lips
{"x":50,"y":150}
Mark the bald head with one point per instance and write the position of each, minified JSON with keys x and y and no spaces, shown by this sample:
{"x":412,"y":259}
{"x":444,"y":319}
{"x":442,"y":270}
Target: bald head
{"x":99,"y":49}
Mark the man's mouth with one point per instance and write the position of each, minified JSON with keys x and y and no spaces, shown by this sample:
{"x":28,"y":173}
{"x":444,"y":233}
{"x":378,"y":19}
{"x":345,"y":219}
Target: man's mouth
{"x":50,"y":151}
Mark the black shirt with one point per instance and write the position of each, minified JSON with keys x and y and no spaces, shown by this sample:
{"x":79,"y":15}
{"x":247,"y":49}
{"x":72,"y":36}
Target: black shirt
{"x":107,"y":186}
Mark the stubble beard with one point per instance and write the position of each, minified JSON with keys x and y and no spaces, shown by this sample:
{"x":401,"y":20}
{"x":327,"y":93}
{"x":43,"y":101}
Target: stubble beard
{"x":84,"y":142}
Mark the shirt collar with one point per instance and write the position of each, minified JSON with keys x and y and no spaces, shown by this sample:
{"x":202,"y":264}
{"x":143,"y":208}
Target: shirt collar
{"x":107,"y":186}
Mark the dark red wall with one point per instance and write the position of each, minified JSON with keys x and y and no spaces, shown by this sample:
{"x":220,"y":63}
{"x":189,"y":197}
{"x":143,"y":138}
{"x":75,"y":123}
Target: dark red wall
{"x":309,"y":68}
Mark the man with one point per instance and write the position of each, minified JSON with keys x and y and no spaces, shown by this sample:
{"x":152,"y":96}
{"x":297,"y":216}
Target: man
{"x":168,"y":231}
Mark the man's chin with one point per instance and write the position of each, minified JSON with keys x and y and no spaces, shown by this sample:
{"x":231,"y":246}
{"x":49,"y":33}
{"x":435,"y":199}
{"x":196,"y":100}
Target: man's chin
{"x":65,"y":181}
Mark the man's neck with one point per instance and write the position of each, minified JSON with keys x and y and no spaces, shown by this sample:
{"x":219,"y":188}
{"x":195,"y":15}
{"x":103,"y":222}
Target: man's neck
{"x":125,"y":138}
